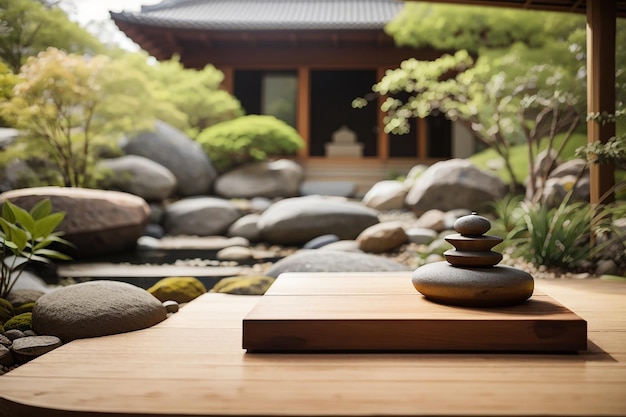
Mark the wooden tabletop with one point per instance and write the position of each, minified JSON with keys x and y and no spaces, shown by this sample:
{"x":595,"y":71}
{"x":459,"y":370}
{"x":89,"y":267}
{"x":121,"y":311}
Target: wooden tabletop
{"x":193,"y":364}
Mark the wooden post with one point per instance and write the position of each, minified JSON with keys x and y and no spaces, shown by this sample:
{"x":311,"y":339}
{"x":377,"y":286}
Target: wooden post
{"x":303,"y":110}
{"x":601,"y":27}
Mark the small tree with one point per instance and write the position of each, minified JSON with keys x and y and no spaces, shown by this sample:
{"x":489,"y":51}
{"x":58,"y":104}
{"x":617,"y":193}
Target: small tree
{"x":31,"y":26}
{"x":68,"y":105}
{"x":501,"y":108}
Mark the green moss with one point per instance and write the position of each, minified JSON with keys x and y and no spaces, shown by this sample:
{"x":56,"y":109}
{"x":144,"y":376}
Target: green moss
{"x":244,"y":285}
{"x":179,"y":289}
{"x":21,"y":322}
{"x":6,"y":310}
{"x":24,"y":308}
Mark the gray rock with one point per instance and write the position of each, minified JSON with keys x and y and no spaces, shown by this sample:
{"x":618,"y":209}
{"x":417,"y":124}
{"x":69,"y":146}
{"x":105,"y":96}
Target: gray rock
{"x":18,"y":297}
{"x":281,"y":178}
{"x":300,"y":219}
{"x":154,"y":230}
{"x":476,"y":287}
{"x":5,"y":341}
{"x":557,"y":188}
{"x":97,"y":222}
{"x":571,"y":167}
{"x":382,"y":237}
{"x":14,"y":334}
{"x":174,"y":150}
{"x":329,"y":188}
{"x":234,"y":253}
{"x":30,"y":347}
{"x":454,"y":184}
{"x":29,"y":285}
{"x":140,"y":176}
{"x":96,"y":308}
{"x":171,"y":306}
{"x":606,"y":267}
{"x":421,"y":235}
{"x":6,"y":357}
{"x":545,"y":160}
{"x":333,"y":261}
{"x":247,"y":227}
{"x":320,"y":241}
{"x":432,"y":219}
{"x":343,"y":246}
{"x":200,"y":216}
{"x":386,"y":195}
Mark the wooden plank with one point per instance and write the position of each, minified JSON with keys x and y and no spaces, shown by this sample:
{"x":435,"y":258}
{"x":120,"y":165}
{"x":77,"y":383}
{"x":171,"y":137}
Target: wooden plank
{"x":351,"y":312}
{"x":200,"y":368}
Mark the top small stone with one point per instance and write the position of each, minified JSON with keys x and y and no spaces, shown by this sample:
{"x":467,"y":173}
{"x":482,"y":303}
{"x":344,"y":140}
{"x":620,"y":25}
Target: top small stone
{"x":472,"y":225}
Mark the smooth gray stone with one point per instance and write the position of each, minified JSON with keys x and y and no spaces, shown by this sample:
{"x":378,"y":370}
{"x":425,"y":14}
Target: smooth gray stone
{"x":473,"y":287}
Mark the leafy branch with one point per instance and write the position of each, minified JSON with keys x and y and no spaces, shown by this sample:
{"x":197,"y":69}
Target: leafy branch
{"x":25,"y":236}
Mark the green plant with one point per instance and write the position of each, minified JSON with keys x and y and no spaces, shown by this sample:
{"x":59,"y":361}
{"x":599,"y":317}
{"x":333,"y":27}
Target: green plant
{"x":25,"y":236}
{"x":563,"y":236}
{"x":508,"y":222}
{"x":248,"y":139}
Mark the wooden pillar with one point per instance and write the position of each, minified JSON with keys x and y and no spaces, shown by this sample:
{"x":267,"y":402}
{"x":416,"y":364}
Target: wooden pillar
{"x":383,"y":138}
{"x":601,"y":27}
{"x":228,"y":83}
{"x":303,"y":110}
{"x":422,"y":139}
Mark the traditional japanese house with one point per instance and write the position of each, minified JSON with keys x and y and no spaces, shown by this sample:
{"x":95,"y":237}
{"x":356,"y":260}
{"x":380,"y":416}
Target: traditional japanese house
{"x":304,"y":61}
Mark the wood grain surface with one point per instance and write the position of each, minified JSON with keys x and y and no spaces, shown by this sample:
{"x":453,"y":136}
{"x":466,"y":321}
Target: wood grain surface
{"x":193,"y":364}
{"x":312,"y":313}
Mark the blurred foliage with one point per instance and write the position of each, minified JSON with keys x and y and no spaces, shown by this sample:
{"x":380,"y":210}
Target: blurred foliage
{"x":28,"y":27}
{"x":196,"y":94}
{"x":68,"y":107}
{"x":453,"y":27}
{"x":248,"y":139}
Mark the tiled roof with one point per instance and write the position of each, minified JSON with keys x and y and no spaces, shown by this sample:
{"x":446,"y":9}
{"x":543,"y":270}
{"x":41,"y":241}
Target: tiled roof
{"x":265,"y":14}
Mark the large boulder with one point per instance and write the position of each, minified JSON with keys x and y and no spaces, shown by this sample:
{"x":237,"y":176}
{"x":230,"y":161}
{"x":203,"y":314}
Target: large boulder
{"x":177,"y":152}
{"x":140,"y":176}
{"x":297,"y":220}
{"x":454,"y":184}
{"x":96,"y":308}
{"x":386,"y":195}
{"x":333,"y":261}
{"x":271,"y":179}
{"x":97,"y":222}
{"x":200,"y":216}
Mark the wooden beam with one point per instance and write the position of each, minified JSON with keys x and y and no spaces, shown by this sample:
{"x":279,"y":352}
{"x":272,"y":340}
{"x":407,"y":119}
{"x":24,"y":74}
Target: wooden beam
{"x":303,"y":110}
{"x":601,"y":27}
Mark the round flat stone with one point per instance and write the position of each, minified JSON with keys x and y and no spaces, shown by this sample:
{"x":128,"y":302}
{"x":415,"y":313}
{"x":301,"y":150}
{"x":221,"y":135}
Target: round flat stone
{"x":496,"y":286}
{"x":472,"y":225}
{"x":472,"y":258}
{"x":476,"y":243}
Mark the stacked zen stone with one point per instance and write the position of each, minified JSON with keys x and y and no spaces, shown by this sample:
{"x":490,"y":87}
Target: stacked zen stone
{"x":471,"y":277}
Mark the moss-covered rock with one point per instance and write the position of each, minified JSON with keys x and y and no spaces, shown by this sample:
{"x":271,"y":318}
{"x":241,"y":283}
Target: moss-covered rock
{"x":1,"y":328}
{"x":179,"y":289}
{"x":244,"y":285}
{"x":20,"y":322}
{"x":24,"y":308}
{"x":6,"y":310}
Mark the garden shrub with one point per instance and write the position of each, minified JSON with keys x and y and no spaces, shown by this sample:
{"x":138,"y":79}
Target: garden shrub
{"x":248,"y":139}
{"x":564,"y":236}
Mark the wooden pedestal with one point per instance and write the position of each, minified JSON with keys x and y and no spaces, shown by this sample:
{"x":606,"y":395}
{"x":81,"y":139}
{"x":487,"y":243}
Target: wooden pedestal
{"x":330,"y":312}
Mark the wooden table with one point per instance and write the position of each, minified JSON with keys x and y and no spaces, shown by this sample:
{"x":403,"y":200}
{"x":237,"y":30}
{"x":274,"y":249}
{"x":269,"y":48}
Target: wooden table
{"x":193,"y":364}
